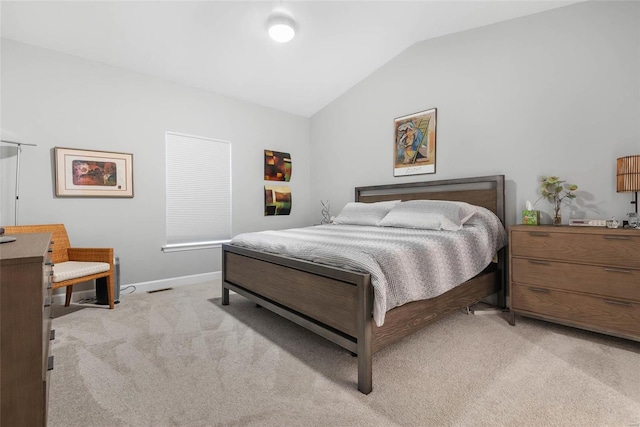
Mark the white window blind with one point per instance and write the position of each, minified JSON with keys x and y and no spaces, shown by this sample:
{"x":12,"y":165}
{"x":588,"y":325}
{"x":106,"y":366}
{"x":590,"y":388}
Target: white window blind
{"x":198,"y":192}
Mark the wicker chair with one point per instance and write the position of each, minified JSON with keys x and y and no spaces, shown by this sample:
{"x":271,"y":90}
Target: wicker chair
{"x":73,"y":265}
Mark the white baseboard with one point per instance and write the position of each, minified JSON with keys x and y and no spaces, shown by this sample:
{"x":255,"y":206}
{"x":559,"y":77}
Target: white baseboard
{"x":153,"y":285}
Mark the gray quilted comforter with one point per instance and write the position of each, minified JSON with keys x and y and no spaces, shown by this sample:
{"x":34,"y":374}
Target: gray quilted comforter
{"x":405,"y":264}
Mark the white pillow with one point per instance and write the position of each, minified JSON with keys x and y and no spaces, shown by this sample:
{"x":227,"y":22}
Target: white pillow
{"x":357,"y":213}
{"x":429,"y":215}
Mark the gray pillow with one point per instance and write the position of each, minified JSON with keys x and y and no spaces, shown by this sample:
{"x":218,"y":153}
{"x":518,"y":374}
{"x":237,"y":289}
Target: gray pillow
{"x":429,"y":215}
{"x":357,"y":213}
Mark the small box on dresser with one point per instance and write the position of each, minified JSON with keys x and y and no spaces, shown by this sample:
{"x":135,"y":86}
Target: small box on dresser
{"x":25,"y":330}
{"x":586,"y":277}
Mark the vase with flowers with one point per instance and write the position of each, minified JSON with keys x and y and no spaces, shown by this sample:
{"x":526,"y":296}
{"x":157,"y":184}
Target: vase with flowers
{"x":556,"y":192}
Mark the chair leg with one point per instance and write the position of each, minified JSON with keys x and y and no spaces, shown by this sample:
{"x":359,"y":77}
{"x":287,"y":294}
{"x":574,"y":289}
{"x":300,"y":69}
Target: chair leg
{"x":67,"y":300}
{"x":111,"y":291}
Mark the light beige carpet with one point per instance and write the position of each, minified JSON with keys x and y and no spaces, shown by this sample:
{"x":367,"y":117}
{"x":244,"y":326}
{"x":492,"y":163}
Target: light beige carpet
{"x":178,"y":358}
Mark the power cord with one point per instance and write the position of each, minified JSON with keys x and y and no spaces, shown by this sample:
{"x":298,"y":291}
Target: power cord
{"x":94,"y":300}
{"x":127,"y":287}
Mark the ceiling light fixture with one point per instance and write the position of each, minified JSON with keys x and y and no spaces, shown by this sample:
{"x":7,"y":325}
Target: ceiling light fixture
{"x":281,"y":26}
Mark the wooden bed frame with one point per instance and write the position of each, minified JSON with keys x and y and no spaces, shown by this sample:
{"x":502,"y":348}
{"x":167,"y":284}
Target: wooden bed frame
{"x":337,"y":304}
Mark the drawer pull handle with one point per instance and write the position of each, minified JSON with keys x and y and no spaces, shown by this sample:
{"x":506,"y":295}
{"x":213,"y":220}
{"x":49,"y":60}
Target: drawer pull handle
{"x":614,"y":302}
{"x":541,"y":290}
{"x":617,"y":237}
{"x":617,"y":270}
{"x":50,"y":363}
{"x":535,"y":261}
{"x":538,"y":234}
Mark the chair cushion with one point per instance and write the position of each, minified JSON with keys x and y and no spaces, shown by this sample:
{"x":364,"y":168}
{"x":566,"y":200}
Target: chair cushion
{"x":73,"y":269}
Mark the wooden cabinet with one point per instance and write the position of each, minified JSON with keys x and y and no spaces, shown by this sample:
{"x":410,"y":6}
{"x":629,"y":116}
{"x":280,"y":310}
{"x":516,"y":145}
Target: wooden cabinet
{"x":25,"y":328}
{"x":587,"y":277}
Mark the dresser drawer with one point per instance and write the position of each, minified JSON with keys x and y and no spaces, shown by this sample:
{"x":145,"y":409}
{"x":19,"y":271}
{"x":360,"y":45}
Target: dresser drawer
{"x":46,"y":337}
{"x":47,"y":275}
{"x":604,"y":281}
{"x":614,"y":316}
{"x":47,"y":300}
{"x":598,"y":248}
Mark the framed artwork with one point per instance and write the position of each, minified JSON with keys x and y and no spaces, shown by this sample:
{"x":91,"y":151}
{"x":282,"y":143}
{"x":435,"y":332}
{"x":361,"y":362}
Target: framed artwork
{"x":277,"y":166}
{"x":277,"y":200}
{"x":414,"y":147}
{"x":90,"y":173}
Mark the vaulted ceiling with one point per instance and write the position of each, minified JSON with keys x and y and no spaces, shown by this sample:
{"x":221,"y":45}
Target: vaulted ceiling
{"x":222,"y":46}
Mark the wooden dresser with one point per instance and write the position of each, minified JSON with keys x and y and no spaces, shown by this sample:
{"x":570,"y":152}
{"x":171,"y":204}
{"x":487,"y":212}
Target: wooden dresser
{"x":587,"y":277}
{"x":25,"y":327}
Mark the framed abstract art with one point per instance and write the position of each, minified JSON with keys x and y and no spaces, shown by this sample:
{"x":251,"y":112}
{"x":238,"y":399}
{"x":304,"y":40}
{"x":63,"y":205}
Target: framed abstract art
{"x":414,"y":148}
{"x":90,"y":173}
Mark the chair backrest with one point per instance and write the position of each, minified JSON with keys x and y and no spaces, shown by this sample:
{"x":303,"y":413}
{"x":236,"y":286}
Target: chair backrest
{"x":58,"y":235}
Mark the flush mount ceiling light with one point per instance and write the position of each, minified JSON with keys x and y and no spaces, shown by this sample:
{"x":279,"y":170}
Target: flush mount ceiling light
{"x":281,"y":26}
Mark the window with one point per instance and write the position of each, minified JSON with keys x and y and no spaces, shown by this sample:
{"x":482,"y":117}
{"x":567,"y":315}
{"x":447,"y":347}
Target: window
{"x":198,"y":192}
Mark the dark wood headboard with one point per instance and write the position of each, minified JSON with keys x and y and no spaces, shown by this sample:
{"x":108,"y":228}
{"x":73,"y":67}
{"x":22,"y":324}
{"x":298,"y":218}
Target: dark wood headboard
{"x":485,"y":191}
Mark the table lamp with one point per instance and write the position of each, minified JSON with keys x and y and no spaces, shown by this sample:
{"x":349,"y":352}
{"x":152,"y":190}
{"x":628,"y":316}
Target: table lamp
{"x":628,"y":177}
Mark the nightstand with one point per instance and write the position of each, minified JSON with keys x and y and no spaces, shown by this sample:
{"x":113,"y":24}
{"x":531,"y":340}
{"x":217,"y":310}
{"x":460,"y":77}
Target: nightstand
{"x":586,"y":277}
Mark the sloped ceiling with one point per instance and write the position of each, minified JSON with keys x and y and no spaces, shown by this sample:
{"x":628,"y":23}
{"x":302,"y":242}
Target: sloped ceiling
{"x":222,"y":46}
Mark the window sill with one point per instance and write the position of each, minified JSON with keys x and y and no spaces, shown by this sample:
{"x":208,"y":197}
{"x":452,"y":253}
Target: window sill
{"x":179,"y":247}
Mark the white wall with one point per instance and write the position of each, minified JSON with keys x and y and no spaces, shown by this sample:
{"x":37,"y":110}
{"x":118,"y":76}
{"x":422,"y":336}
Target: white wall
{"x":553,"y":93}
{"x":557,"y":93}
{"x":50,"y":99}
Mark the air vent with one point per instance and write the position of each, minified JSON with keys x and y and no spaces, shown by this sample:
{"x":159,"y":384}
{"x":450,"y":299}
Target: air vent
{"x":159,"y":290}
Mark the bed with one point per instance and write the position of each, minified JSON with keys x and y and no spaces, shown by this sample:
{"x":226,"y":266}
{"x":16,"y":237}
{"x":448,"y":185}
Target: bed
{"x":337,"y":303}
